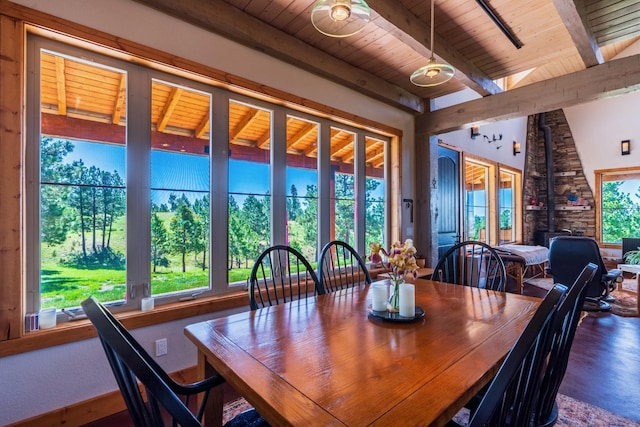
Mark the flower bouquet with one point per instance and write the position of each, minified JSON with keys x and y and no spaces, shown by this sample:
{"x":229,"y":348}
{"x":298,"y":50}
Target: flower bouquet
{"x":400,"y":261}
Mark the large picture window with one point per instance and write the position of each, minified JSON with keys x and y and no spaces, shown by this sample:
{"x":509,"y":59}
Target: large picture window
{"x":302,"y":186}
{"x":142,"y":183}
{"x":493,"y":206}
{"x":180,"y":202}
{"x":618,"y":213}
{"x":82,"y":193}
{"x":477,"y":192}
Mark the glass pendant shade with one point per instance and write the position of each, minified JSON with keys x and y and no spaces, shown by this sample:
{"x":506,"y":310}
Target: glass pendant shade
{"x":340,"y":18}
{"x":432,"y":74}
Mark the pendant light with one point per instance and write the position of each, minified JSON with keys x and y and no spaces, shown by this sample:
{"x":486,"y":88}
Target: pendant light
{"x":432,"y":74}
{"x":340,"y":18}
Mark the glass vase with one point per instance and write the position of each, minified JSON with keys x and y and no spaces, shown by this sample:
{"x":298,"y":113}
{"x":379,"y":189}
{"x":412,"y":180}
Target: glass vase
{"x":394,"y":299}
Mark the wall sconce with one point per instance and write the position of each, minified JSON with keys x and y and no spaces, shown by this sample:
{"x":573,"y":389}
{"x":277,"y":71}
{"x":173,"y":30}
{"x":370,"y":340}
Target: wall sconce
{"x":516,"y":148}
{"x":475,"y":131}
{"x":625,"y":147}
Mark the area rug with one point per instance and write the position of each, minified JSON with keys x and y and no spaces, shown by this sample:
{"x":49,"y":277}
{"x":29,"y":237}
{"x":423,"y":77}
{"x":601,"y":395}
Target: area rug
{"x":571,"y":413}
{"x":574,"y":413}
{"x":625,"y":303}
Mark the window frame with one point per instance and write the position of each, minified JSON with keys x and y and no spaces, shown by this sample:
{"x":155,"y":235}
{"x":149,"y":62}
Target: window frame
{"x":139,"y":127}
{"x":599,"y":175}
{"x":492,"y":187}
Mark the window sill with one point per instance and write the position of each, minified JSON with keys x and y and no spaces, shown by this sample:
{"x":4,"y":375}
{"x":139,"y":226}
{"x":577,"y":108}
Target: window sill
{"x":78,"y":330}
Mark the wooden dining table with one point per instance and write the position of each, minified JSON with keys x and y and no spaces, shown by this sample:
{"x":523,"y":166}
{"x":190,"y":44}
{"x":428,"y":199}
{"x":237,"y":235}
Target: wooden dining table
{"x":326,"y":361}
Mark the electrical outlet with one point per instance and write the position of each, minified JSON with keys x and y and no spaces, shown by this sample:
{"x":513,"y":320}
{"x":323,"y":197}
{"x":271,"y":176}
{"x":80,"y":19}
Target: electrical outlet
{"x":161,"y":347}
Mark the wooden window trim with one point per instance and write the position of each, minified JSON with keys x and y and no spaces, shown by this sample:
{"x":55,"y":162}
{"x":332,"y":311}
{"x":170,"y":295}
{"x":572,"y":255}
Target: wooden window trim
{"x":78,"y":330}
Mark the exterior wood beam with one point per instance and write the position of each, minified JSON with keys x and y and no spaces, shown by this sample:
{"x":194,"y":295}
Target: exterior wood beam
{"x":405,"y":26}
{"x":338,"y":147}
{"x":612,"y":78}
{"x":203,"y":125}
{"x":301,"y":134}
{"x":228,"y":21}
{"x":122,"y":96}
{"x":61,"y":86}
{"x":243,"y":124}
{"x":169,"y":106}
{"x":310,"y":150}
{"x":573,"y":15}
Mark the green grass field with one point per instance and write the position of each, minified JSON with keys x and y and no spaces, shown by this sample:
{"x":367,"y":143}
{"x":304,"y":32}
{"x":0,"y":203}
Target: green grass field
{"x":63,"y":285}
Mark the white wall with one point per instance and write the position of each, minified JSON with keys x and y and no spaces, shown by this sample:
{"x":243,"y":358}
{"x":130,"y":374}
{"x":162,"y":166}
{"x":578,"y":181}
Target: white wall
{"x":40,"y":381}
{"x":499,"y":151}
{"x":599,"y":126}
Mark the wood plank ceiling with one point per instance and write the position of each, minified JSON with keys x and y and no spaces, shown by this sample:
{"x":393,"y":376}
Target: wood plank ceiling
{"x":558,"y":37}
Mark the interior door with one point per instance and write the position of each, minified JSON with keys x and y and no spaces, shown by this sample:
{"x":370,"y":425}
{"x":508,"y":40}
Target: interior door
{"x":448,"y":199}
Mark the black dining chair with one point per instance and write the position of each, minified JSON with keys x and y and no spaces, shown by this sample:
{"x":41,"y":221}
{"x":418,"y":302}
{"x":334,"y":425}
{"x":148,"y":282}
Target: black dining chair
{"x":471,"y":263}
{"x":341,"y":267}
{"x":281,"y":274}
{"x":564,"y":329}
{"x":510,"y":398}
{"x":131,"y":364}
{"x":562,"y":332}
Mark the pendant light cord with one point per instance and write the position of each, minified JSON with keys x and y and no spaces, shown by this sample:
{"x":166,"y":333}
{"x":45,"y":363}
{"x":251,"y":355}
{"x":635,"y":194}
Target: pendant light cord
{"x":433,"y":9}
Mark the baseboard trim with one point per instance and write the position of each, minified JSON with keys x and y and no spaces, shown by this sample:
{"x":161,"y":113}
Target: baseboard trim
{"x":93,"y":409}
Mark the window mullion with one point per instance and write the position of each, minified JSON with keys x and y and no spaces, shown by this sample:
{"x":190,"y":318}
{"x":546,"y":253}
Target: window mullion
{"x":138,"y":184}
{"x":219,"y":184}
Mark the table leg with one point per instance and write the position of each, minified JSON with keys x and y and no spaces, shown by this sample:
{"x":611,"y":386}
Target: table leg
{"x":214,"y":408}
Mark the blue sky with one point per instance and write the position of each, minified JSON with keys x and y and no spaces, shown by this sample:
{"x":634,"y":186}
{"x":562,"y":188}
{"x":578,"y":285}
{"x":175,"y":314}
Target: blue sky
{"x":185,"y":172}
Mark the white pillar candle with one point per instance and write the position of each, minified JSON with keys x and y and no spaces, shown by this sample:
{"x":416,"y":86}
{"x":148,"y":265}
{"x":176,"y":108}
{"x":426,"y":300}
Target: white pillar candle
{"x":379,"y":297}
{"x":147,"y":304}
{"x":407,"y":300}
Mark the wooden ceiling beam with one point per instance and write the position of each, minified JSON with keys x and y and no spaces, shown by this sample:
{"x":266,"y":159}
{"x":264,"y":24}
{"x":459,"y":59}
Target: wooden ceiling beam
{"x":203,"y":125}
{"x":169,"y":106}
{"x":612,"y":78}
{"x":264,"y":139}
{"x":61,"y":85}
{"x":336,"y":148}
{"x":221,"y":18}
{"x":120,"y":100}
{"x":376,"y":156}
{"x":573,"y":14}
{"x":311,"y":149}
{"x":408,"y":28}
{"x":243,"y":124}
{"x":301,"y":134}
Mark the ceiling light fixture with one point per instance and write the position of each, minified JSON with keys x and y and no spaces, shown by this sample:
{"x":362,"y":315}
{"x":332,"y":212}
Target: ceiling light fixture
{"x":433,"y":73}
{"x":340,"y":18}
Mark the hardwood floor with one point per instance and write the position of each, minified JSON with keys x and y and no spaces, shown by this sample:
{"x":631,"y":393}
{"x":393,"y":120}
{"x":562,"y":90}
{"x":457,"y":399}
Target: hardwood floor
{"x":603,"y":370}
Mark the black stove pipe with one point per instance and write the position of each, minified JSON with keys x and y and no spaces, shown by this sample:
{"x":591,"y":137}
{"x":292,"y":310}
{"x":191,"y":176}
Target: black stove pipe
{"x":548,"y":154}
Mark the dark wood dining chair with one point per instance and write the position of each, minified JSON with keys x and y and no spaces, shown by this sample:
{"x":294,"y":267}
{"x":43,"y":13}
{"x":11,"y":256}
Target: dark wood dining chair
{"x":131,"y":364}
{"x":564,"y":329}
{"x":281,"y":274}
{"x":472,"y":263}
{"x":510,"y":398}
{"x":562,"y":332}
{"x":341,"y":267}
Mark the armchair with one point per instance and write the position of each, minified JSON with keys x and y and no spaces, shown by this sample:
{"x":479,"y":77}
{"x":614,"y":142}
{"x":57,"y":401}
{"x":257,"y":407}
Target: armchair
{"x":567,"y":257}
